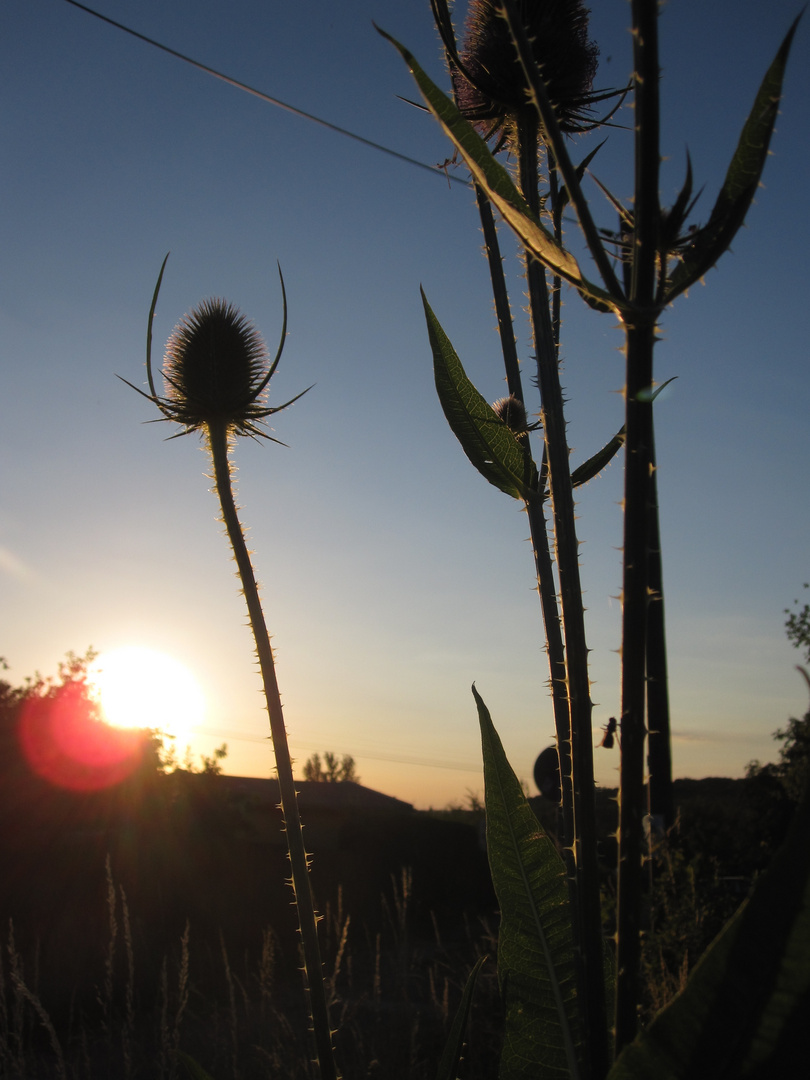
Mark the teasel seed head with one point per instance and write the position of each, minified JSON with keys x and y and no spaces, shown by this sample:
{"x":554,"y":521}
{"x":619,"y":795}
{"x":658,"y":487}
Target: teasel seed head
{"x":216,"y":370}
{"x":513,"y":413}
{"x":489,"y":84}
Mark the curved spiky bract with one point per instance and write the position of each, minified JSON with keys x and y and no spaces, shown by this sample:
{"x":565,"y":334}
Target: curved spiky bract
{"x":215,"y":369}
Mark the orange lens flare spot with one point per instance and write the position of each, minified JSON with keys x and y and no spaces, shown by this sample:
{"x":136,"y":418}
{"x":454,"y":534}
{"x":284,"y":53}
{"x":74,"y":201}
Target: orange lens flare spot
{"x":66,"y":743}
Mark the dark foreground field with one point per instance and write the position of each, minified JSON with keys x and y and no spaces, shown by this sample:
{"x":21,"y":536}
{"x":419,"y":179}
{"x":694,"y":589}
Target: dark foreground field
{"x":156,"y":916}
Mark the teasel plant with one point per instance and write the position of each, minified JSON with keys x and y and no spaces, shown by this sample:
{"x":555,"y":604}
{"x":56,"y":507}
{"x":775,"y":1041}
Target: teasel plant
{"x":216,"y":372}
{"x":489,"y":91}
{"x":507,"y":93}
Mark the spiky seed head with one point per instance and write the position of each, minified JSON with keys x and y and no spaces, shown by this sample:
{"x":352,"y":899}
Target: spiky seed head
{"x":513,"y":413}
{"x":215,"y":369}
{"x":493,"y":96}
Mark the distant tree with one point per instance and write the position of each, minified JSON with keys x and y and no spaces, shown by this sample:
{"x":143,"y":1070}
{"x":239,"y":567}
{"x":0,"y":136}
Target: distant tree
{"x":798,"y":627}
{"x":794,"y":756}
{"x":792,"y":771}
{"x":213,"y":765}
{"x":331,"y":770}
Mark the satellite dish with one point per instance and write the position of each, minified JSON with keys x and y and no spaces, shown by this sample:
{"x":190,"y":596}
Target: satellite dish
{"x":547,"y":774}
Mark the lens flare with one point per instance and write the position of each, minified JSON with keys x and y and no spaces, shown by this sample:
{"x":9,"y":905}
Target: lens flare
{"x":66,"y":743}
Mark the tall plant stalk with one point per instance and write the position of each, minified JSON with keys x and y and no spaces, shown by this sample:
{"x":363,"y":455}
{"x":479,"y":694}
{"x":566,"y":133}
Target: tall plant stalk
{"x":640,"y":330}
{"x":587,"y":911}
{"x":538,"y":531}
{"x":216,"y":373}
{"x":307,"y":918}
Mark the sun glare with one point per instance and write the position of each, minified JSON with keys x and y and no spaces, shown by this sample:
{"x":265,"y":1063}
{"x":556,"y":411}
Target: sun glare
{"x":143,"y":688}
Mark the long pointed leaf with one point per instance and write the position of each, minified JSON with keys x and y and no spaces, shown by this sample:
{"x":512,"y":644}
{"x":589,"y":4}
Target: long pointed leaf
{"x":497,"y":183}
{"x":193,"y":1068}
{"x":589,"y":469}
{"x":744,"y":1011}
{"x":451,"y":1057}
{"x":742,"y":179}
{"x":535,"y":944}
{"x":490,"y":445}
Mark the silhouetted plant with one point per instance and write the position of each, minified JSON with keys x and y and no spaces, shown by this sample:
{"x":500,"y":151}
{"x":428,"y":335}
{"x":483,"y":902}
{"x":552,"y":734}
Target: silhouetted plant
{"x":216,"y":372}
{"x":523,"y":80}
{"x":798,"y":627}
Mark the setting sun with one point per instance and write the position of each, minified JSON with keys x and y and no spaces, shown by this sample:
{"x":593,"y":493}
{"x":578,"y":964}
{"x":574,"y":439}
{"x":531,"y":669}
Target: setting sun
{"x":144,"y":688}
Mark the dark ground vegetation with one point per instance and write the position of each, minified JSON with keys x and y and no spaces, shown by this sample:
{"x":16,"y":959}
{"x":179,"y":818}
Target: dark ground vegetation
{"x":156,"y":915}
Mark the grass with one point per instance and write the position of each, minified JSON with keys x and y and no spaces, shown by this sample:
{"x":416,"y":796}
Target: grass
{"x":392,"y":991}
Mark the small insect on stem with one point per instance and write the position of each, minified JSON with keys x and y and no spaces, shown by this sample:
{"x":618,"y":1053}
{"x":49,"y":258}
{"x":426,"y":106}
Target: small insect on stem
{"x":448,"y":163}
{"x":610,"y":731}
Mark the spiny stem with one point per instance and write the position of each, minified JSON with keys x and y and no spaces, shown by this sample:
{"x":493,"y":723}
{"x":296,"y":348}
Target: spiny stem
{"x":307,"y":919}
{"x":588,"y":905}
{"x":538,"y":530}
{"x":500,"y":294}
{"x":640,"y":335}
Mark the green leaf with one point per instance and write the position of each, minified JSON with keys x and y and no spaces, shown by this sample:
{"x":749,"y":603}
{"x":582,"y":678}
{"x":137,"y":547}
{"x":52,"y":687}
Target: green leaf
{"x":744,"y":1012}
{"x":497,"y":183}
{"x":742,"y":180}
{"x":491,"y":446}
{"x":450,"y":1059}
{"x":589,"y":469}
{"x":194,"y":1070}
{"x":535,"y":944}
{"x":594,"y":465}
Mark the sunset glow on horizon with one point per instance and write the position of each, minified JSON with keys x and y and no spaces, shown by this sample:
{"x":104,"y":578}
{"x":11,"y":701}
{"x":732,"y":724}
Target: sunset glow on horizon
{"x":392,"y":575}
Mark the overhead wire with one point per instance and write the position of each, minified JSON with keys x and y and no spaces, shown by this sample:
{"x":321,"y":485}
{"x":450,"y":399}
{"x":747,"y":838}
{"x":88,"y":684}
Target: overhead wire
{"x":435,"y":169}
{"x":397,"y":759}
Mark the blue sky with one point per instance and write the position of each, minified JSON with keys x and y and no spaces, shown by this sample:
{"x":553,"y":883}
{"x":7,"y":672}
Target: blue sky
{"x":392,"y":574}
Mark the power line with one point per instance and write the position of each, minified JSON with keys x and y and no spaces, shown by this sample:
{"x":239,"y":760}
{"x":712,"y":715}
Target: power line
{"x":436,"y":169}
{"x":397,"y":759}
